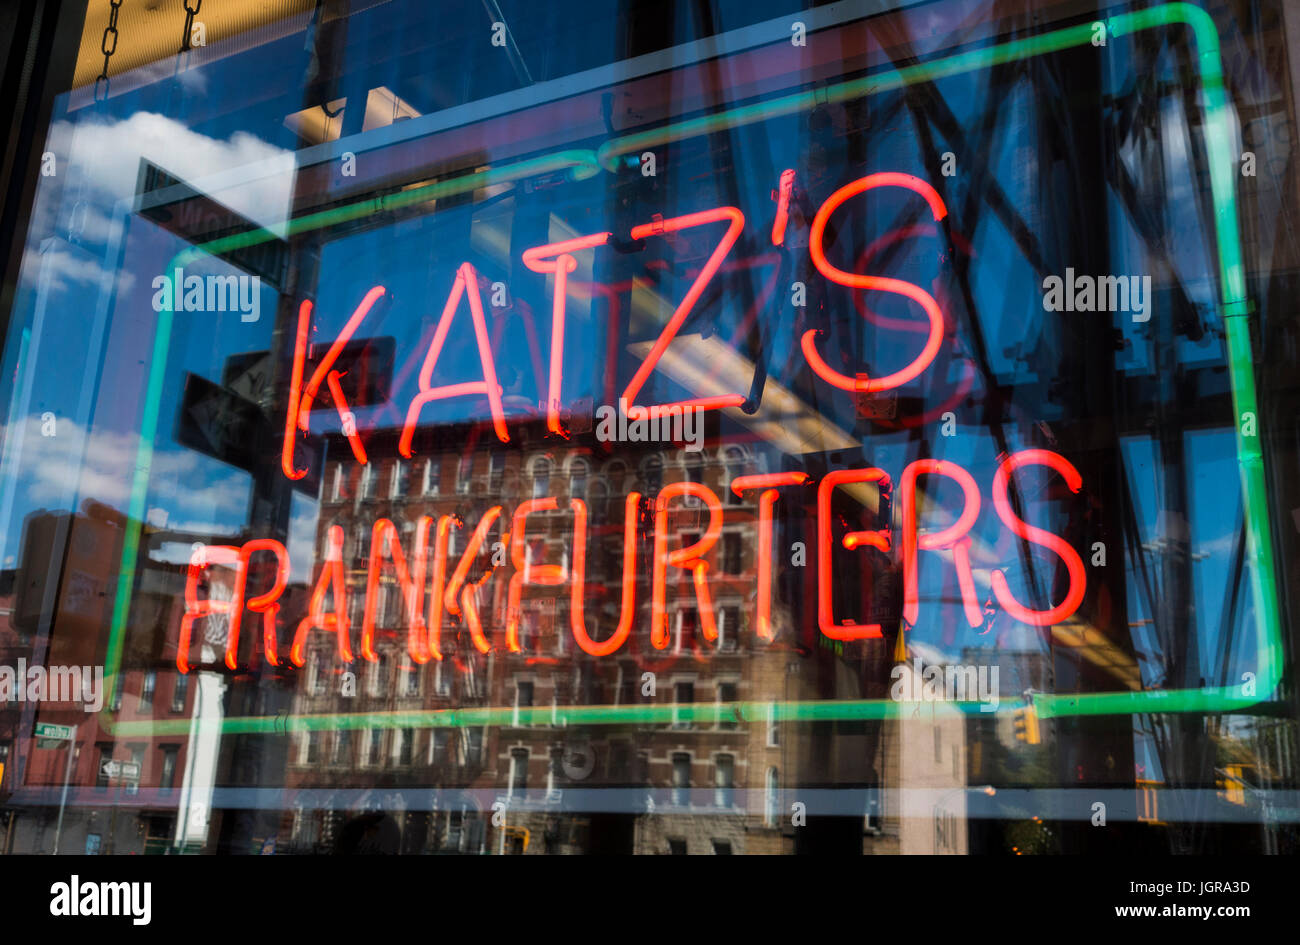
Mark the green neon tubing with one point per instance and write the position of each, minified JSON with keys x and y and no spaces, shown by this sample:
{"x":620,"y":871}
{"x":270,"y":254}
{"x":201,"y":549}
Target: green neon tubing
{"x":1263,"y":580}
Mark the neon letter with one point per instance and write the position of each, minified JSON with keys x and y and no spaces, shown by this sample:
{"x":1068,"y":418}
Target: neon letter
{"x":549,"y":575}
{"x":266,"y":604}
{"x":690,"y":558}
{"x":954,"y":536}
{"x":576,"y":607}
{"x":384,"y":533}
{"x":897,"y":286}
{"x":196,"y":609}
{"x":561,"y":266}
{"x":785,"y":189}
{"x":876,"y":539}
{"x":1073,"y":563}
{"x":301,"y":398}
{"x":766,"y":500}
{"x":331,"y":576}
{"x":736,"y":224}
{"x":459,"y":576}
{"x":466,"y":284}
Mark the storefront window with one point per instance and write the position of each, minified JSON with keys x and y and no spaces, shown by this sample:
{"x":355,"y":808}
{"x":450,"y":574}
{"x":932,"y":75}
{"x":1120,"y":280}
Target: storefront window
{"x":782,"y":427}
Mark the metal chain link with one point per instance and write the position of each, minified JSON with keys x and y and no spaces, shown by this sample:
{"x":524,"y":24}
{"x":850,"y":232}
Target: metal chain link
{"x":107,"y":46}
{"x":190,"y":14}
{"x":110,"y":32}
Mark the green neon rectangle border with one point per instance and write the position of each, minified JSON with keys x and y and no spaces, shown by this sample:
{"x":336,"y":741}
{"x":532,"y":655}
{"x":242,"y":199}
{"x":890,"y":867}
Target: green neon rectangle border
{"x":583,"y":163}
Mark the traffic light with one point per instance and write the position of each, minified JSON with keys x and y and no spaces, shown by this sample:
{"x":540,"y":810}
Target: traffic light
{"x":1026,"y":725}
{"x":1232,"y":786}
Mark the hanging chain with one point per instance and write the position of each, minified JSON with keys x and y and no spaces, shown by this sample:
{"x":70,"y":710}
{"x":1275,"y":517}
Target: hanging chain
{"x":190,"y":14}
{"x":110,"y":33}
{"x":108,"y":46}
{"x":174,"y":97}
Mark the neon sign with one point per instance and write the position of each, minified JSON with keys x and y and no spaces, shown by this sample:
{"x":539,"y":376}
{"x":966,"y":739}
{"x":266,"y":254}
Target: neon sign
{"x":458,"y":597}
{"x":1218,"y":121}
{"x":557,"y":260}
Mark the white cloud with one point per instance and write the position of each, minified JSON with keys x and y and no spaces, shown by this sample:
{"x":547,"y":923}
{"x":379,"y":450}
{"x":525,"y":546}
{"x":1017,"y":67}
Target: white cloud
{"x":110,"y":154}
{"x":188,"y":490}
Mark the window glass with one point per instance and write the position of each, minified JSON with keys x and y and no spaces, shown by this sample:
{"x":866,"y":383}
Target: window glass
{"x":751,"y":401}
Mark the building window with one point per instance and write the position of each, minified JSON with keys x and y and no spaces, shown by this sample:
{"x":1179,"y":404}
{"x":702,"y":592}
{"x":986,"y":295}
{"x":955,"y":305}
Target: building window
{"x":554,"y":771}
{"x":683,"y":694}
{"x":771,"y":809}
{"x":578,"y":473}
{"x":676,"y":846}
{"x":343,"y":747}
{"x":689,"y":539}
{"x":411,"y":681}
{"x":403,"y":746}
{"x":368,"y":478}
{"x":735,"y":465}
{"x":722,"y":847}
{"x":363,"y":543}
{"x":464,"y":470}
{"x":397,"y":484}
{"x":523,"y":700}
{"x":442,"y":680}
{"x":541,"y":478}
{"x":317,"y":673}
{"x":681,"y":779}
{"x":693,"y":464}
{"x":336,"y":483}
{"x":379,"y":676}
{"x":180,"y":691}
{"x":311,"y":749}
{"x":598,"y":501}
{"x":496,"y":470}
{"x":724,"y":781}
{"x":729,"y":627}
{"x":147,"y":687}
{"x":375,"y":746}
{"x":356,"y":600}
{"x":518,"y":771}
{"x":438,"y":746}
{"x":473,"y":746}
{"x":773,"y":729}
{"x":731,"y":552}
{"x":432,"y":475}
{"x":688,"y":622}
{"x":652,"y":472}
{"x":394,"y":605}
{"x":727,"y":694}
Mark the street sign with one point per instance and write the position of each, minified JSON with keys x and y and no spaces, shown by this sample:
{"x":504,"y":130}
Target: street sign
{"x":218,"y":422}
{"x":54,"y":732}
{"x":226,"y":425}
{"x":124,"y":770}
